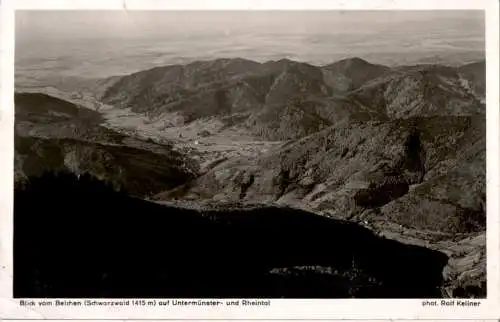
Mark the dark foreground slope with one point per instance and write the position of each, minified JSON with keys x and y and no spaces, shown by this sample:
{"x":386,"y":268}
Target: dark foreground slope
{"x":78,"y":238}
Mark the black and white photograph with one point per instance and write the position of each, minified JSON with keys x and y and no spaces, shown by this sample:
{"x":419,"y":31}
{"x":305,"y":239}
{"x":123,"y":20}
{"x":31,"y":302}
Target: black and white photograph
{"x":237,"y":154}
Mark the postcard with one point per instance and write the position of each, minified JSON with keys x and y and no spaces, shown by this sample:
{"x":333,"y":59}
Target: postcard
{"x":249,"y":160}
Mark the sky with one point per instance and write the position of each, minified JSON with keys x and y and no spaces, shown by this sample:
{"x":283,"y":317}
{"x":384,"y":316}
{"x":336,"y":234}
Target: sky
{"x":128,"y":23}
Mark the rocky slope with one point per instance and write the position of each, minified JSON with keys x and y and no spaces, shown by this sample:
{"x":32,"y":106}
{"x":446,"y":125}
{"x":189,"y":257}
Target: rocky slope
{"x":139,"y":172}
{"x":475,"y":76}
{"x":427,"y":90}
{"x":52,"y":134}
{"x":411,"y":179}
{"x":352,"y":167}
{"x":398,"y":150}
{"x":403,"y":153}
{"x":284,"y":99}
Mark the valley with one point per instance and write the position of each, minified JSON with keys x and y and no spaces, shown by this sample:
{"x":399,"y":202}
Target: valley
{"x":396,"y":152}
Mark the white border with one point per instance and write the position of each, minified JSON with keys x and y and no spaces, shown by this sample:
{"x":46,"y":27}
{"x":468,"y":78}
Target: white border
{"x":280,"y":309}
{"x":251,"y":4}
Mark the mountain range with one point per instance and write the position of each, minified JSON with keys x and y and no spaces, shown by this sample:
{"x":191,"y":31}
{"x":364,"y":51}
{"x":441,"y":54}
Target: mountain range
{"x":398,"y":150}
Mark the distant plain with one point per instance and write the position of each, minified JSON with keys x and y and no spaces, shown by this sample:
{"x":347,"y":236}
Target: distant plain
{"x":98,"y":44}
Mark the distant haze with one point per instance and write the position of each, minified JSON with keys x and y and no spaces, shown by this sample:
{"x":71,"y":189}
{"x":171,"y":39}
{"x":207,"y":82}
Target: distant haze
{"x":92,"y":44}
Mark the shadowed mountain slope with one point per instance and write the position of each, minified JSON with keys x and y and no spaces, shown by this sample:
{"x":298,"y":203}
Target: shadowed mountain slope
{"x":401,"y":151}
{"x":137,"y":171}
{"x":42,"y":107}
{"x":274,"y":252}
{"x":41,"y":115}
{"x":52,"y":134}
{"x":419,"y":180}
